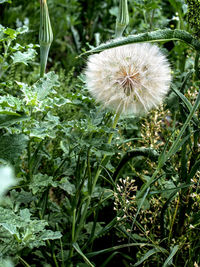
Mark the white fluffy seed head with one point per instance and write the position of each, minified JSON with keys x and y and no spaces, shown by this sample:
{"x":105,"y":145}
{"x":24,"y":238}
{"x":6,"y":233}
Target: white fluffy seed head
{"x":130,"y":79}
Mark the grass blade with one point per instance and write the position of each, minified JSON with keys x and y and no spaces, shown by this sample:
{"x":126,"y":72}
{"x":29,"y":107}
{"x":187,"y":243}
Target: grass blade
{"x":177,"y":142}
{"x":146,"y":256}
{"x":168,"y":260}
{"x":77,"y":248}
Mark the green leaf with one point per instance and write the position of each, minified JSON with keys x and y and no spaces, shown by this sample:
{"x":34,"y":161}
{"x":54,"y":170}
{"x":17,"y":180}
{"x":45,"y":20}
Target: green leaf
{"x":46,"y":128}
{"x":10,"y":228}
{"x":154,"y":36}
{"x":77,"y":248}
{"x":27,"y":232}
{"x":147,"y":255}
{"x":40,"y":182}
{"x":12,"y":146}
{"x":25,"y":215}
{"x":50,"y":235}
{"x":44,"y":86}
{"x":7,"y":34}
{"x":169,"y":259}
{"x":10,"y":119}
{"x":95,"y":253}
{"x":185,"y":101}
{"x":24,"y":57}
{"x":5,"y":1}
{"x":10,"y":102}
{"x":6,"y":263}
{"x":178,"y":142}
{"x":67,"y":186}
{"x":10,"y":34}
{"x":30,"y":96}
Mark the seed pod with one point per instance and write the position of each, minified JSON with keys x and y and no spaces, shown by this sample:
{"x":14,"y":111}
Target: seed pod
{"x":45,"y":36}
{"x":122,"y":18}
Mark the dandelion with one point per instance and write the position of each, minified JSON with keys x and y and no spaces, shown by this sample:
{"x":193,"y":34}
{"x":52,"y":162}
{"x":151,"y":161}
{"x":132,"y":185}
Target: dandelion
{"x":129,"y":79}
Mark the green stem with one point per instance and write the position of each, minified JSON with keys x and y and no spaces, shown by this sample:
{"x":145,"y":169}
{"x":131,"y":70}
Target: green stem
{"x":29,"y":160}
{"x":83,"y":217}
{"x":24,"y":262}
{"x":55,"y":260}
{"x":73,"y":224}
{"x":173,"y":220}
{"x":44,"y":52}
{"x":196,"y":65}
{"x":62,"y":253}
{"x":177,"y":141}
{"x":104,"y":157}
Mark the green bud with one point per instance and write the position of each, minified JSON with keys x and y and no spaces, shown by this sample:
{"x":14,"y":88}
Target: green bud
{"x":45,"y":36}
{"x":122,"y":18}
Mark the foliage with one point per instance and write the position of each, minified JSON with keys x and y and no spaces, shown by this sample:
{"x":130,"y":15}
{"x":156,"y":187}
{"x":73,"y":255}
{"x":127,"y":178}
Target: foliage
{"x":92,"y":189}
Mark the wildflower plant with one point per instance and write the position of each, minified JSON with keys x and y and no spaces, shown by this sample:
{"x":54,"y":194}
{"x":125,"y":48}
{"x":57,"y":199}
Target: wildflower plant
{"x":113,"y":186}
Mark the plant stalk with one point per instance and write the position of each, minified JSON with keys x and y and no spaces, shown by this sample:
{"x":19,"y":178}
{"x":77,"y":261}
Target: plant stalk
{"x":83,"y":217}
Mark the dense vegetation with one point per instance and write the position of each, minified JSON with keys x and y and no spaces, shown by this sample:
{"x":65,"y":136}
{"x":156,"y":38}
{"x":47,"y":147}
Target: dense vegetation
{"x":77,"y":186}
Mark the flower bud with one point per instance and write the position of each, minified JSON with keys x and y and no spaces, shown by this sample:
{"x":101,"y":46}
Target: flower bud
{"x":122,"y":18}
{"x":45,"y":36}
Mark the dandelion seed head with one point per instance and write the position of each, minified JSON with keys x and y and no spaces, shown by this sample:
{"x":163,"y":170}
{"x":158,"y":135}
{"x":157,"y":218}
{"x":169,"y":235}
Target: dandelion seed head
{"x":130,"y":79}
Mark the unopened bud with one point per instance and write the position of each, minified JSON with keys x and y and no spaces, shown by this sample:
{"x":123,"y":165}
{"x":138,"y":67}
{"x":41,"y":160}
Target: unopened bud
{"x":45,"y":36}
{"x":122,"y":18}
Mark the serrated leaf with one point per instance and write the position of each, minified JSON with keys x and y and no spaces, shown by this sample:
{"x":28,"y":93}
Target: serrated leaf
{"x":11,"y":118}
{"x":44,"y":86}
{"x":25,"y":215}
{"x":67,"y":186}
{"x":40,"y":182}
{"x":12,"y":146}
{"x":48,"y":234}
{"x":61,"y":101}
{"x":9,"y":34}
{"x":24,"y":57}
{"x":22,"y":197}
{"x":10,"y":228}
{"x":46,"y":128}
{"x":30,"y":96}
